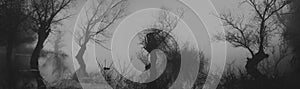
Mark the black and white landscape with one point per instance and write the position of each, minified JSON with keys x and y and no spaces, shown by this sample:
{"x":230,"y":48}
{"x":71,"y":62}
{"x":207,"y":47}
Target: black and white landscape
{"x":149,"y":44}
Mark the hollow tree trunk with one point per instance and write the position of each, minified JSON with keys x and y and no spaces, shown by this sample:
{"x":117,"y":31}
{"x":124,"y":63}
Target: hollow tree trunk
{"x":34,"y":63}
{"x":81,"y":71}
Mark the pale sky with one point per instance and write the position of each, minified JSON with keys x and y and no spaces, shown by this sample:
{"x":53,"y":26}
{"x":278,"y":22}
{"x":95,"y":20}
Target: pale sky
{"x":141,"y":14}
{"x":145,"y":21}
{"x":133,"y":6}
{"x":140,"y":20}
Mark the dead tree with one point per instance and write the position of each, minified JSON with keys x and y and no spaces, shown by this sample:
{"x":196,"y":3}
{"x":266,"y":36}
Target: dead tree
{"x":166,"y":21}
{"x":45,"y":16}
{"x":253,"y":34}
{"x":102,"y":15}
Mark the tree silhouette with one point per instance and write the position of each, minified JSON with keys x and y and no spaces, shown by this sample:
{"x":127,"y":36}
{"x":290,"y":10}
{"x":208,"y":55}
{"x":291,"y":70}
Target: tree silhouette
{"x":166,"y":21}
{"x":100,"y":17}
{"x":45,"y":16}
{"x":255,"y":34}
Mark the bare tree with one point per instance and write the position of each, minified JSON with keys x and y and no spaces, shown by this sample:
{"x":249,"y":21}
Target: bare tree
{"x":166,"y":21}
{"x":45,"y":16}
{"x":255,"y":33}
{"x":100,"y":17}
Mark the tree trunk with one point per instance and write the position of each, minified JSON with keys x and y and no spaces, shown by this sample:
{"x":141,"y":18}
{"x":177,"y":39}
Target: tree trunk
{"x":252,"y":63}
{"x":34,"y":62}
{"x":81,"y":71}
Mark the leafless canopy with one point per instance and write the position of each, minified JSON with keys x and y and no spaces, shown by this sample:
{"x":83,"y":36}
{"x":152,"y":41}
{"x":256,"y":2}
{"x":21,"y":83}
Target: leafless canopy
{"x":101,"y":16}
{"x":253,"y":33}
{"x":45,"y":13}
{"x":166,"y":21}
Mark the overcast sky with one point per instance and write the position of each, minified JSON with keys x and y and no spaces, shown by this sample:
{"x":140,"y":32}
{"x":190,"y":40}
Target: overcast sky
{"x":190,"y":29}
{"x":139,"y":20}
